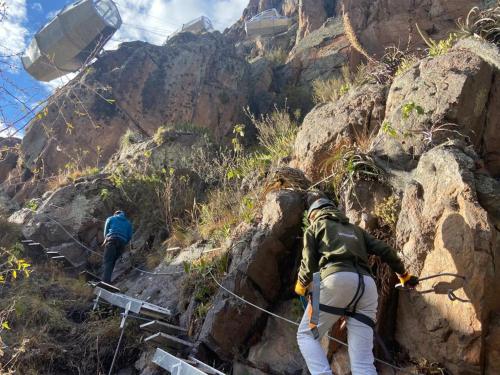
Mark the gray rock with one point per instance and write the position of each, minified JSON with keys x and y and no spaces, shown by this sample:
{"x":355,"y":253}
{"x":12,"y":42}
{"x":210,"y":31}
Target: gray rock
{"x":360,"y":111}
{"x":443,"y":228}
{"x":440,"y":87}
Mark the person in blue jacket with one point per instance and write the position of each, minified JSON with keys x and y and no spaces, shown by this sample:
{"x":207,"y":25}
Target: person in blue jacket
{"x":117,"y":234}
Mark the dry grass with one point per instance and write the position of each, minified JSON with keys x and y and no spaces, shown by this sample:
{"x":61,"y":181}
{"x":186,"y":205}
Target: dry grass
{"x":277,"y":56}
{"x":348,"y":164}
{"x":276,"y":132}
{"x":351,"y":35}
{"x":332,"y":89}
{"x":53,"y":323}
{"x":10,"y":232}
{"x":484,"y":24}
{"x":70,"y":176}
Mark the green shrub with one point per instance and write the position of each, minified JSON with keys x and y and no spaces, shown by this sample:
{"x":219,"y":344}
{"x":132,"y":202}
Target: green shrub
{"x":332,"y":89}
{"x":277,"y":56}
{"x":388,"y":211}
{"x":440,"y":47}
{"x":347,"y":165}
{"x":276,"y":133}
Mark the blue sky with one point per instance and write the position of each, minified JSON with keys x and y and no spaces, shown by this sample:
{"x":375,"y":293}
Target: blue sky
{"x":148,"y":20}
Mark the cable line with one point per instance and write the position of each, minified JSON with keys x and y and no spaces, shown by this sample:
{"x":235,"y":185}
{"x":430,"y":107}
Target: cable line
{"x":297,"y":324}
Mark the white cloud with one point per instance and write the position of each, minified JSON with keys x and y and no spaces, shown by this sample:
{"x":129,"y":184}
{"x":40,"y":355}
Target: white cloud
{"x":37,"y":6}
{"x":52,"y":14}
{"x":58,"y":82}
{"x":154,"y":20}
{"x":13,"y":32}
{"x":6,"y":132}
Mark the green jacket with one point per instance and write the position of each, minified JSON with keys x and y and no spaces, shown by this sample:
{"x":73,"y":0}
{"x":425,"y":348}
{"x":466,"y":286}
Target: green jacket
{"x":332,"y":244}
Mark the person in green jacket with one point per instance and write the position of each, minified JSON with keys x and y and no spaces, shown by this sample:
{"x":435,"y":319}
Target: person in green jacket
{"x":339,"y":251}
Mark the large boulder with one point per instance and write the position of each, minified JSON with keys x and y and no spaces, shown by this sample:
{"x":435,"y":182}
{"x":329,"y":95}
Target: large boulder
{"x":443,"y":228}
{"x":8,"y":156}
{"x":70,"y":217}
{"x":278,"y":350}
{"x":258,"y":272}
{"x":193,"y":79}
{"x":360,"y":111}
{"x":319,"y":54}
{"x":382,"y":23}
{"x":432,"y":102}
{"x":312,"y":14}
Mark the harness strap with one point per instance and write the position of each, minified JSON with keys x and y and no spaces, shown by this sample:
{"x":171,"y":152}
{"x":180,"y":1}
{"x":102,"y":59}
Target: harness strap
{"x":314,"y":305}
{"x":344,"y":312}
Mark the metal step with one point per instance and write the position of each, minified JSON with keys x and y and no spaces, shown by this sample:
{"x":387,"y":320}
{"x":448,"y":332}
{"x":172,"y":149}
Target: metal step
{"x":108,"y":287}
{"x":136,"y":306}
{"x":62,"y":260}
{"x":26,"y":241}
{"x":204,"y":367}
{"x":35,"y":244}
{"x":156,"y":326}
{"x":91,"y":278}
{"x":164,"y":340}
{"x":52,"y":253}
{"x":177,"y":366}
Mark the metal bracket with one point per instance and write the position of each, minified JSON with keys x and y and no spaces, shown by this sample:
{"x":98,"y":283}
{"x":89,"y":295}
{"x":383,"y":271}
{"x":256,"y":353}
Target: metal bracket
{"x":125,"y":315}
{"x":96,"y":301}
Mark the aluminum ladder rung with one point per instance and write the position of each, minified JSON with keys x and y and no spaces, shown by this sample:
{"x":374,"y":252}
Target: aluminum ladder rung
{"x":35,"y":244}
{"x":26,"y":241}
{"x":164,"y":340}
{"x":177,"y":366}
{"x":52,"y":253}
{"x":136,"y":306}
{"x":156,"y":326}
{"x":62,"y":259}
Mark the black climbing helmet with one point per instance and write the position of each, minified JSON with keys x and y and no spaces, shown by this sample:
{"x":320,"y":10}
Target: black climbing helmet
{"x":319,"y":203}
{"x":119,"y":212}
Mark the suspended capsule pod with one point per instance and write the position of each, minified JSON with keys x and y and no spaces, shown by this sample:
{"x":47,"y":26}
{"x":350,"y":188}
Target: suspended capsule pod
{"x":199,"y":25}
{"x":267,"y":23}
{"x":78,"y":32}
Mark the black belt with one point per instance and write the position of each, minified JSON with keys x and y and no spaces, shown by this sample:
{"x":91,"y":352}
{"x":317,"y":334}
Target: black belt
{"x":350,"y":309}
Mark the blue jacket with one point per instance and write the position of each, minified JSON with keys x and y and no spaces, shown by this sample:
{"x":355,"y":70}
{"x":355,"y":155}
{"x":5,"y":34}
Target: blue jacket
{"x":118,"y":226}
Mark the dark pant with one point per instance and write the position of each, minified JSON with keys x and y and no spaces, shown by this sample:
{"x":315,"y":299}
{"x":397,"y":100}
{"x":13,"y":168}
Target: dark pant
{"x":113,"y":251}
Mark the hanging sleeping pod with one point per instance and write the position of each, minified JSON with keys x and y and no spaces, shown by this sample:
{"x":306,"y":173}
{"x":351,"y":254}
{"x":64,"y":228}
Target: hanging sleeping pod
{"x":267,"y":23}
{"x":78,"y":32}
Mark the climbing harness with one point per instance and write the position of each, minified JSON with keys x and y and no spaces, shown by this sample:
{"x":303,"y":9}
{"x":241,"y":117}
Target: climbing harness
{"x":394,"y":367}
{"x":349,"y":311}
{"x":441,"y":287}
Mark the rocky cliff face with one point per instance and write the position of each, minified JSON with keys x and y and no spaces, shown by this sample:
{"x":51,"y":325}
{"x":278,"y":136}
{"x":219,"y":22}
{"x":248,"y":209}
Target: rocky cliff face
{"x":192,"y":80}
{"x":410,"y":156}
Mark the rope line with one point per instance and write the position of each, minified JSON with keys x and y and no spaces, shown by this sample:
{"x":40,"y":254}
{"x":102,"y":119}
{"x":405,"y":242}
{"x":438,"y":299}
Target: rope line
{"x":70,"y":235}
{"x":297,"y":324}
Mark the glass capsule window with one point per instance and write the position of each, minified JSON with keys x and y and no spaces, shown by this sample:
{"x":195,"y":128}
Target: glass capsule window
{"x":108,"y":11}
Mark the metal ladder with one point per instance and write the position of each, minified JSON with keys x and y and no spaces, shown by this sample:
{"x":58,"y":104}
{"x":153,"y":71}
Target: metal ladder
{"x":53,"y":256}
{"x":178,"y":366}
{"x":161,"y":334}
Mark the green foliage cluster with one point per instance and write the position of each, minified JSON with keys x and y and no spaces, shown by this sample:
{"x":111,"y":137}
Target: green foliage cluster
{"x":50,"y":328}
{"x":388,"y":211}
{"x":277,"y":56}
{"x":160,"y":136}
{"x":237,"y":174}
{"x":408,"y":108}
{"x":438,"y":48}
{"x":347,"y":165}
{"x":199,"y":282}
{"x":405,"y":64}
{"x":330,"y":90}
{"x":148,"y":194}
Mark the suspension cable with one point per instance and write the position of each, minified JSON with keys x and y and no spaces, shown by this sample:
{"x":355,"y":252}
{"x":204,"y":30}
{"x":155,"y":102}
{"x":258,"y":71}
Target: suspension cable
{"x":394,"y":367}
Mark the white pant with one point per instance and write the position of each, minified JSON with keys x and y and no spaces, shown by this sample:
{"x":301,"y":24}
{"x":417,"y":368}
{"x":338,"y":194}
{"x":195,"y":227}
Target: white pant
{"x":338,"y":290}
